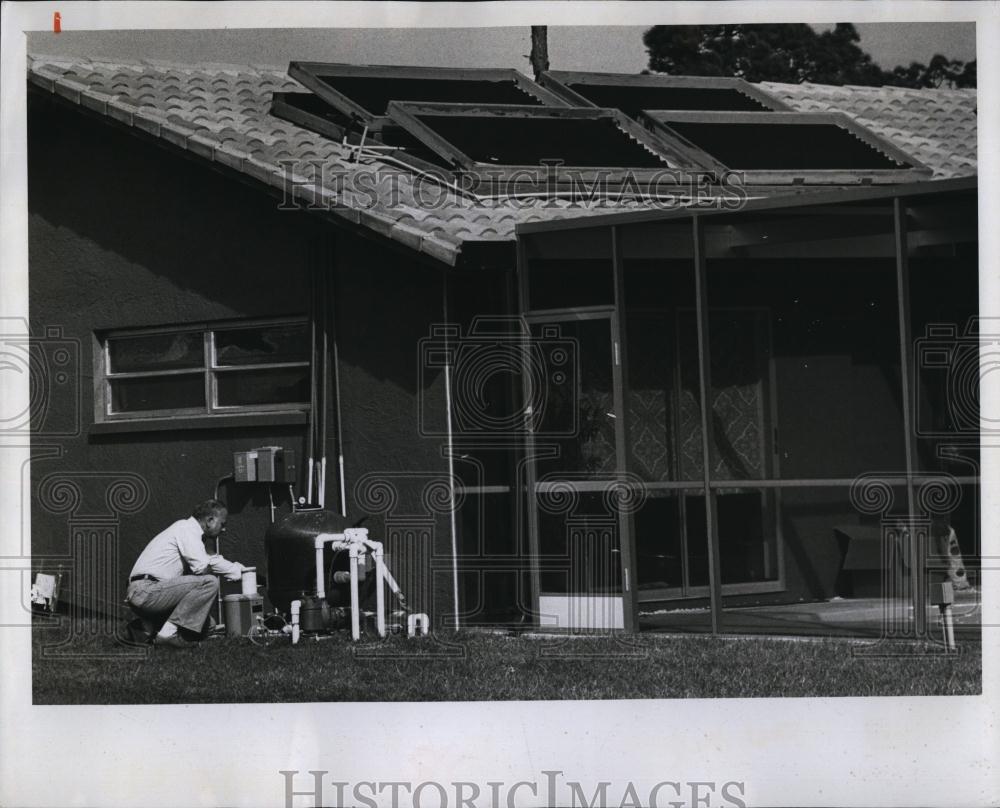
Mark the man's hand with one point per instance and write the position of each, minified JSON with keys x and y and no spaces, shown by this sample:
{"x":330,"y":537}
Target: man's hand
{"x":235,"y":574}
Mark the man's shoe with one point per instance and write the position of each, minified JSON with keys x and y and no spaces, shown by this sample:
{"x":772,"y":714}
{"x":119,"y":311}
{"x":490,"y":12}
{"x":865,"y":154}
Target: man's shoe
{"x":174,"y":641}
{"x":138,"y":633}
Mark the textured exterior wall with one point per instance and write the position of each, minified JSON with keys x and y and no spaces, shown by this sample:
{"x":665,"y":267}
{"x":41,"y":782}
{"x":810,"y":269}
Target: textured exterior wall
{"x":124,"y":234}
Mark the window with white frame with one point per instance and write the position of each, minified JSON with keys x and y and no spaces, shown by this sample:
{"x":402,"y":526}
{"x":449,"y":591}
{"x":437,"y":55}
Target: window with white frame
{"x":204,"y":369}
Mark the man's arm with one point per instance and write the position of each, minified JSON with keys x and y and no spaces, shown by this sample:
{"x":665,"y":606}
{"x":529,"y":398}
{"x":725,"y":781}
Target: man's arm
{"x":199,"y":562}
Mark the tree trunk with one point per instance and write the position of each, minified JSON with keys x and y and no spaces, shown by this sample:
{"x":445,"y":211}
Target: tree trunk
{"x":539,"y":49}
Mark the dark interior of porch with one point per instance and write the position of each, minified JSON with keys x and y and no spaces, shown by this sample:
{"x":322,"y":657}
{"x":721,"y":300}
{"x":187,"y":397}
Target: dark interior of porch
{"x":835,"y":340}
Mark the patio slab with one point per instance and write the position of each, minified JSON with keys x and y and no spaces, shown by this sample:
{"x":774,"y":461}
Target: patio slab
{"x":861,"y":617}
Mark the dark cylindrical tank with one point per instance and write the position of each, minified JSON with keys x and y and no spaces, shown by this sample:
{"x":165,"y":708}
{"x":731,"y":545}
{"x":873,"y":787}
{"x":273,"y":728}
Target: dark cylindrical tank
{"x":291,"y":557}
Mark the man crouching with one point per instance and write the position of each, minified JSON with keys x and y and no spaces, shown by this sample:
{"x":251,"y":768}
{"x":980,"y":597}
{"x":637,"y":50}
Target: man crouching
{"x":175,"y":578}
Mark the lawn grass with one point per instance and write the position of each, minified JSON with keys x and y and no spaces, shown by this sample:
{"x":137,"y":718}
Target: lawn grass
{"x":474,"y":666}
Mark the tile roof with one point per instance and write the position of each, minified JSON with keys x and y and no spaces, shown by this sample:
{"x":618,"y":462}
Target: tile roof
{"x":937,"y":126}
{"x":221,"y":113}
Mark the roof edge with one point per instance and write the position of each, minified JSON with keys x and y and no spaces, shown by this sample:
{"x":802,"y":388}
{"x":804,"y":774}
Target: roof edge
{"x":768,"y":203}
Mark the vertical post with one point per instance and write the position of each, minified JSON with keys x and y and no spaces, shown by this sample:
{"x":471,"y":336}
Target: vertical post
{"x":451,"y":458}
{"x":528,"y":494}
{"x":331,"y":303}
{"x":620,"y":375}
{"x":704,"y":392}
{"x":919,"y":584}
{"x":311,"y":438}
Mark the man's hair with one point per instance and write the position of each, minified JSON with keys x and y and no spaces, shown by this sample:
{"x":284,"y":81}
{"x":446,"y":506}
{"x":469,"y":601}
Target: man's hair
{"x":210,"y":507}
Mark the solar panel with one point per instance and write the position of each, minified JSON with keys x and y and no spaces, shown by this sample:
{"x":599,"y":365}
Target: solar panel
{"x":632,"y":94}
{"x":373,"y":93}
{"x":363,"y":93}
{"x":476,"y":137}
{"x":615,"y":127}
{"x":527,"y":141}
{"x":785,"y":146}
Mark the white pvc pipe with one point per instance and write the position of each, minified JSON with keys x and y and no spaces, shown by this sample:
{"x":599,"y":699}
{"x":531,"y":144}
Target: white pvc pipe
{"x":415,"y":621}
{"x":343,"y":486}
{"x":355,"y":615}
{"x":379,"y":591}
{"x":320,"y":585}
{"x":296,"y":605}
{"x":320,"y":540}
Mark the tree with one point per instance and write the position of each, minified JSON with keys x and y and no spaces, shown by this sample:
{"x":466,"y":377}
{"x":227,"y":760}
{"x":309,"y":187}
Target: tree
{"x":791,"y":53}
{"x":539,"y":49}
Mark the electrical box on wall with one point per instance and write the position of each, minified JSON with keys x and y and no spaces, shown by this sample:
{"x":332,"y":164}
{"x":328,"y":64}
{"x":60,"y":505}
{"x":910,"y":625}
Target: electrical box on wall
{"x":245,"y":467}
{"x":265,"y":464}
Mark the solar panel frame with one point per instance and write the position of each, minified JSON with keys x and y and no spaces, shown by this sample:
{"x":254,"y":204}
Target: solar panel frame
{"x":658,"y":121}
{"x":559,"y":81}
{"x":408,"y":116}
{"x":312,"y":74}
{"x":282,"y":107}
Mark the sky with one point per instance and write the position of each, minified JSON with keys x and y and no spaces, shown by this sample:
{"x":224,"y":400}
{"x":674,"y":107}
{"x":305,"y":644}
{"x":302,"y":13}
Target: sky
{"x":600,"y":48}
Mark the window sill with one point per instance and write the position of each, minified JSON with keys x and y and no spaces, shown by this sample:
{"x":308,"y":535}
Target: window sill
{"x":257,"y":419}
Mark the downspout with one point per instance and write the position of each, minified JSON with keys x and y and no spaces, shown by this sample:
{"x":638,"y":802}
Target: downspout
{"x":451,"y":458}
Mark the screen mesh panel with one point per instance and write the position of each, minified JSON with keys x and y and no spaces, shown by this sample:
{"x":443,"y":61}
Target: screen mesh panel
{"x":631,"y":99}
{"x":528,"y":141}
{"x":374,"y":93}
{"x":776,"y":146}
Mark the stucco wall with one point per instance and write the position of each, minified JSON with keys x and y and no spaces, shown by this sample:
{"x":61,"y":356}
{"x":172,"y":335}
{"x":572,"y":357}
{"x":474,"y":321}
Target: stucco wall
{"x":123,"y":233}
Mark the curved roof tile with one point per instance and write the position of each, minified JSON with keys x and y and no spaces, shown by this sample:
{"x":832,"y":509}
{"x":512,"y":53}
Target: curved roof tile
{"x":221,"y":112}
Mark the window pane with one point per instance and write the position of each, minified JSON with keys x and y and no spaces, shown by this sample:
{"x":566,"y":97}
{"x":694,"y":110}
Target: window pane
{"x":156,"y":352}
{"x":158,"y":393}
{"x":280,"y":386}
{"x":259,"y":346}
